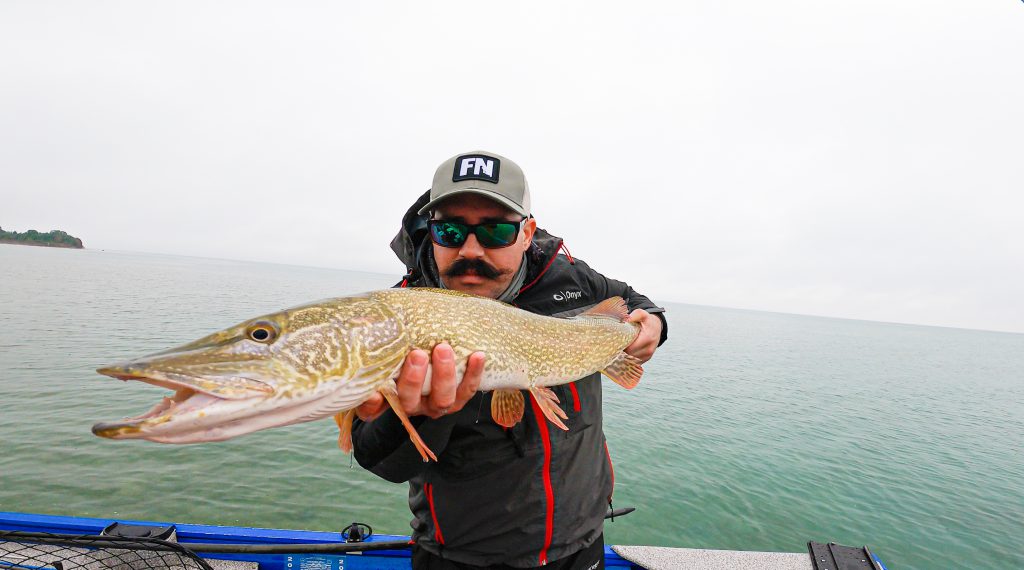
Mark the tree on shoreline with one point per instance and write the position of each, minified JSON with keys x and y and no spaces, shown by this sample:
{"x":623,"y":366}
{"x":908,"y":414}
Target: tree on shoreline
{"x":58,"y":238}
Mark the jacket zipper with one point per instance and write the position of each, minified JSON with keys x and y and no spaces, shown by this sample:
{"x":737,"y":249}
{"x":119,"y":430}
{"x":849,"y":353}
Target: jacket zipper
{"x":549,"y":493}
{"x":549,"y":515}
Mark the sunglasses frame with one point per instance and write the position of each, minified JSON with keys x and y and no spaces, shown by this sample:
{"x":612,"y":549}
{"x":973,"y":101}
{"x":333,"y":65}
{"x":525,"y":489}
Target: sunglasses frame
{"x":471,"y":229}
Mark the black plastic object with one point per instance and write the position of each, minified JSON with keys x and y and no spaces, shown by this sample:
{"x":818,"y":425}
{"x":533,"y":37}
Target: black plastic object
{"x":300,"y":548}
{"x":612,"y":513}
{"x":834,"y":556}
{"x":357,"y":532}
{"x":140,"y":531}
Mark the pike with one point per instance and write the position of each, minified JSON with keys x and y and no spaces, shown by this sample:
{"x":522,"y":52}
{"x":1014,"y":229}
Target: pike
{"x":325,"y":359}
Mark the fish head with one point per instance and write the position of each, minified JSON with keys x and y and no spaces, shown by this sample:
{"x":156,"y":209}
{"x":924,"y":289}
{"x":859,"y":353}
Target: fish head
{"x":269,"y":371}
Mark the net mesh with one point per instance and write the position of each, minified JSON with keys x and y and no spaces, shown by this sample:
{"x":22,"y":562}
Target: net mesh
{"x":45,"y":551}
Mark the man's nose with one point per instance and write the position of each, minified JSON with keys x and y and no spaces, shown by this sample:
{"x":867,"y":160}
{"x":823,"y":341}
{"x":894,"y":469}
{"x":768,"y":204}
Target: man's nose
{"x":471,"y":249}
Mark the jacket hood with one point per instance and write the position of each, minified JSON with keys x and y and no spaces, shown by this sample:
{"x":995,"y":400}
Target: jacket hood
{"x":413,"y":248}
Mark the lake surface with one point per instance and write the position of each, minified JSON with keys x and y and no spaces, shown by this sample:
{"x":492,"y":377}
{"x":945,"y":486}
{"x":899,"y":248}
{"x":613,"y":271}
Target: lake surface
{"x":750,"y":430}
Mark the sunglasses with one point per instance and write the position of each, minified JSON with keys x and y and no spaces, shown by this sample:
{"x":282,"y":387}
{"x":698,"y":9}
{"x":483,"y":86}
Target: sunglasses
{"x":491,"y":235}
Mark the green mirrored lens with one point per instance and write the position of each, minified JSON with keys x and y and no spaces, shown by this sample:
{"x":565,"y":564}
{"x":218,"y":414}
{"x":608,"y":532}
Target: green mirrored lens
{"x":491,"y":235}
{"x":496,"y":235}
{"x":450,"y":234}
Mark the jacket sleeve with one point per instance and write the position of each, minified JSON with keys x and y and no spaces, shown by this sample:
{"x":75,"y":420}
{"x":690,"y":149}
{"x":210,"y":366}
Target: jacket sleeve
{"x":604,"y":287}
{"x":383,"y":447}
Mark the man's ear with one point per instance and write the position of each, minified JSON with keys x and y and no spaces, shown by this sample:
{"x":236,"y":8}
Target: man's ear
{"x":529,"y":228}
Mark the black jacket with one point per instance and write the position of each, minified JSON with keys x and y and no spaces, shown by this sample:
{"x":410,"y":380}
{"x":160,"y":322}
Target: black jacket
{"x":522,"y":496}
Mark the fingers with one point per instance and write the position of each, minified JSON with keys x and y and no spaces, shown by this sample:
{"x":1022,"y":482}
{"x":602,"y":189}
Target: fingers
{"x":410,"y":382}
{"x":372,"y":408}
{"x":471,"y":379}
{"x":443,"y":381}
{"x":646,"y":342}
{"x":644,"y":351}
{"x":638,"y":316}
{"x":447,"y":394}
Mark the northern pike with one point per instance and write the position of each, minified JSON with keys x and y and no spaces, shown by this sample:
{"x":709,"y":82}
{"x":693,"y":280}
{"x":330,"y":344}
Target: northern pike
{"x":326,"y":358}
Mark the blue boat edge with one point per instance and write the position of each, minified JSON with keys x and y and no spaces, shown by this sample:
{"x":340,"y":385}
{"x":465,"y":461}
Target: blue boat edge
{"x":821,"y":556}
{"x":198,"y":533}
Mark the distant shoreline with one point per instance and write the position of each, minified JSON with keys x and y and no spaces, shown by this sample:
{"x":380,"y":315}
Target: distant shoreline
{"x":52,"y":238}
{"x":42,"y":243}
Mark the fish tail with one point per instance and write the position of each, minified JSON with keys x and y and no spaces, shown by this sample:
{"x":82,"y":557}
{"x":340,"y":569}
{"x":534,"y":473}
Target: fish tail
{"x":625,"y":370}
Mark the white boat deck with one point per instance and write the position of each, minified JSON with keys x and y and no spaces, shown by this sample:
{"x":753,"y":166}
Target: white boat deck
{"x":664,"y":558}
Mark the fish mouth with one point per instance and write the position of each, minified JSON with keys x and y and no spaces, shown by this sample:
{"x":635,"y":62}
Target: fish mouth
{"x":191,"y":395}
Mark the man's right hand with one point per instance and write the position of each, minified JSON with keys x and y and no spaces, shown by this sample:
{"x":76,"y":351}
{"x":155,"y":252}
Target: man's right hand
{"x":447,"y":395}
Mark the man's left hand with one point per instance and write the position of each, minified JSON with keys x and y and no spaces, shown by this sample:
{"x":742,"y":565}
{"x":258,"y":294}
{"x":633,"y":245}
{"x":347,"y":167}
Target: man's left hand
{"x":646,"y":342}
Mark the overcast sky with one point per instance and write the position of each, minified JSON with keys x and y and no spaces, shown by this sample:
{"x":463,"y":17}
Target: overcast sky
{"x":851,"y":159}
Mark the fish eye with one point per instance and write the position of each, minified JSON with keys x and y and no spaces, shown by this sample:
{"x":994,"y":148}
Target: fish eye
{"x":262,"y":332}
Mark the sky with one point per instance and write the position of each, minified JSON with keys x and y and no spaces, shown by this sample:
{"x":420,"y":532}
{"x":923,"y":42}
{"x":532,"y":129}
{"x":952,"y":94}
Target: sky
{"x":851,"y":159}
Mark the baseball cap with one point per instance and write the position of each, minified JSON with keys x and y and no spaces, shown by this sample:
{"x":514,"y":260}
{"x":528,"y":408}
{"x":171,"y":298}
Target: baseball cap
{"x":485,"y":173}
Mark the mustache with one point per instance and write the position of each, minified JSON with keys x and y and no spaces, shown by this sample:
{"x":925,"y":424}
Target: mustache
{"x":478,"y":266}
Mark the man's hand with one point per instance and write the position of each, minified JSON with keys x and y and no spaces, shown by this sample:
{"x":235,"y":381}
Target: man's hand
{"x":646,"y":342}
{"x":447,"y":395}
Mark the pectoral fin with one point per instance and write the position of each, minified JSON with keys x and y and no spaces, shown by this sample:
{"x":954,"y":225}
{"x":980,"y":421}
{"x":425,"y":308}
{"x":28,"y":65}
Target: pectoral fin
{"x":548,"y":403}
{"x":507,"y":407}
{"x":625,"y":370}
{"x":390,"y":393}
{"x":612,"y":308}
{"x":344,"y":421}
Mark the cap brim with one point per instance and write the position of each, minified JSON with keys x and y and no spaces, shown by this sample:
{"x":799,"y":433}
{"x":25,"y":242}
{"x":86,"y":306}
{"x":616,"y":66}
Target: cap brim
{"x":481,"y":192}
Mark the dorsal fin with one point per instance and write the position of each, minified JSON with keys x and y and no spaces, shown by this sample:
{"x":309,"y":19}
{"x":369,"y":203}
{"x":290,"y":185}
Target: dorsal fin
{"x":612,"y":307}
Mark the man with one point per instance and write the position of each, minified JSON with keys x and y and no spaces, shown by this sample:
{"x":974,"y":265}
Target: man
{"x":527,"y":496}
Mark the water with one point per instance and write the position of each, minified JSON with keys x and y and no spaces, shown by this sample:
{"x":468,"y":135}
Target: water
{"x":750,"y":430}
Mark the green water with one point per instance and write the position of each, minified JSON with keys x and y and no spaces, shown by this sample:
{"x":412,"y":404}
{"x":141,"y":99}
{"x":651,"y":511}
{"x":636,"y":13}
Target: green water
{"x":750,"y":430}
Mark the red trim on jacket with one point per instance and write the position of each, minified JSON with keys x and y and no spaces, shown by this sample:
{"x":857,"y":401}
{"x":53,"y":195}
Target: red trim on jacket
{"x":575,"y":397}
{"x":567,"y":254}
{"x":549,"y":516}
{"x":542,"y":271}
{"x":611,"y":468}
{"x":429,"y":490}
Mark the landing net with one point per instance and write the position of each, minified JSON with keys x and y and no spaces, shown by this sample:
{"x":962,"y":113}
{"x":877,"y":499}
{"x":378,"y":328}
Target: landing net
{"x":46,"y":551}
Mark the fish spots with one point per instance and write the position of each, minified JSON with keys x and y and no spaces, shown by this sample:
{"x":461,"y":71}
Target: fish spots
{"x":377,"y":334}
{"x":333,"y":355}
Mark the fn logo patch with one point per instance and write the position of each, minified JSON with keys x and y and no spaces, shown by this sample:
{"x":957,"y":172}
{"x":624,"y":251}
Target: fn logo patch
{"x":476,"y":167}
